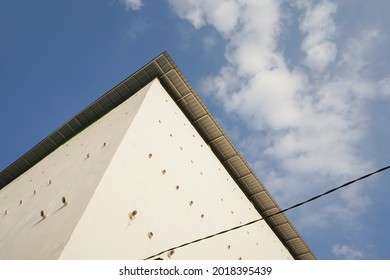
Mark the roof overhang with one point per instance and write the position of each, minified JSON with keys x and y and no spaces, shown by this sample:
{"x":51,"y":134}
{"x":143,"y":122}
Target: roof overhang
{"x":163,"y":68}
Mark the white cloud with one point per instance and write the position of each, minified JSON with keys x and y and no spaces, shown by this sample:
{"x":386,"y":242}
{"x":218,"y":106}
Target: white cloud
{"x":269,"y":99}
{"x":310,"y":124}
{"x":306,"y":127}
{"x":358,"y":52}
{"x":190,"y":11}
{"x":319,"y":27}
{"x":132,"y":4}
{"x":346,"y":252}
{"x":222,"y":14}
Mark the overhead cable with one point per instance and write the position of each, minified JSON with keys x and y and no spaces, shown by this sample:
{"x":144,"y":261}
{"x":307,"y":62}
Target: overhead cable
{"x":273,"y":214}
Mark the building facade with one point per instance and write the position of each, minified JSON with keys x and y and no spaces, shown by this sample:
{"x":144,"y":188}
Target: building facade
{"x":143,"y":172}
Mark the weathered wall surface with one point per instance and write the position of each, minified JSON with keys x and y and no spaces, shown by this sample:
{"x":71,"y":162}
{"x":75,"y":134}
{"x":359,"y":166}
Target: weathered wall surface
{"x":72,"y":171}
{"x":180,"y":191}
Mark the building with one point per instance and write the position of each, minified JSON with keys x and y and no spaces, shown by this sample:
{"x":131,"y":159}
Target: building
{"x":143,"y":172}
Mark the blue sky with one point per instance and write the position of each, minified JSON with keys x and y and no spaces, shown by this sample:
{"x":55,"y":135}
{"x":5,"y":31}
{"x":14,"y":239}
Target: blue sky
{"x":301,"y":87}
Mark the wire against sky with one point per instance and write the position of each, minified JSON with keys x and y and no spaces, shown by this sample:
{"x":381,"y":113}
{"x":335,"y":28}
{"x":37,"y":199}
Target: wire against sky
{"x":271,"y":215}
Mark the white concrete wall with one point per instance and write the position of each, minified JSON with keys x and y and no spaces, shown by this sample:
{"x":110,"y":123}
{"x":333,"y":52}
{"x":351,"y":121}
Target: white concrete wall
{"x":65,"y":172}
{"x":181,"y":193}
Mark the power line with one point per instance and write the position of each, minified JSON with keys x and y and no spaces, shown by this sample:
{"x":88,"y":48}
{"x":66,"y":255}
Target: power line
{"x":330,"y":191}
{"x":271,"y":215}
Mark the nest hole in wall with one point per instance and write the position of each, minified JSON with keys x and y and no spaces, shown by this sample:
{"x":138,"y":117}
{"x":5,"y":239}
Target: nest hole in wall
{"x":132,"y":214}
{"x":43,"y":214}
{"x":170,"y":253}
{"x":65,"y":200}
